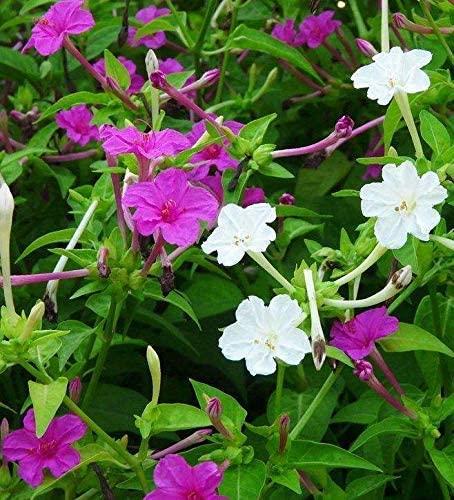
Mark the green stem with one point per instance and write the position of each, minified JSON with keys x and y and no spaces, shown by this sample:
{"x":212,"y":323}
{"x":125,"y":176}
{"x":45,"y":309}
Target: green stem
{"x":69,"y":403}
{"x":359,"y":21}
{"x":279,"y":386}
{"x":404,"y":106}
{"x":384,"y":26}
{"x":111,"y":323}
{"x":263,"y":262}
{"x":437,"y":31}
{"x":185,"y":36}
{"x":404,"y":295}
{"x":225,"y":61}
{"x":211,"y":7}
{"x":329,"y":382}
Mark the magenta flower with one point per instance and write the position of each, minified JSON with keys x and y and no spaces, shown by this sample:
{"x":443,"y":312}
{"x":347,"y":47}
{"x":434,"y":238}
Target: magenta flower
{"x":286,"y":32}
{"x":175,"y":479}
{"x":253,"y":195}
{"x":151,"y":145}
{"x":137,"y":81}
{"x":52,"y":451}
{"x":373,"y":171}
{"x":214,"y":154}
{"x":357,"y":337}
{"x":316,"y":29}
{"x":64,"y":18}
{"x":77,"y":123}
{"x":146,"y":15}
{"x":172,"y":205}
{"x":170,"y":65}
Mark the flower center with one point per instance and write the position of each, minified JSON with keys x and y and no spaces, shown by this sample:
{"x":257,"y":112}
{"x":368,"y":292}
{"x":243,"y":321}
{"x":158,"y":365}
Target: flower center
{"x":392,"y":82}
{"x":212,"y":151}
{"x":47,"y":448}
{"x":405,"y":208}
{"x":168,"y":211}
{"x":241,"y":240}
{"x":270,"y":341}
{"x":194,"y":496}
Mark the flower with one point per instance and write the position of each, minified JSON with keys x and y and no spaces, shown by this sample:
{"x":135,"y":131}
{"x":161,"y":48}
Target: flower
{"x":172,"y":205}
{"x":357,"y":337}
{"x":77,"y":123}
{"x":170,"y":65}
{"x":363,"y":370}
{"x":52,"y":451}
{"x":392,"y":72}
{"x":316,"y":29}
{"x":146,"y":15}
{"x":253,"y":195}
{"x":64,"y":18}
{"x":151,"y":145}
{"x":402,"y":203}
{"x":177,"y":480}
{"x":262,"y":334}
{"x":241,"y":230}
{"x":287,"y":33}
{"x":137,"y":81}
{"x":287,"y":199}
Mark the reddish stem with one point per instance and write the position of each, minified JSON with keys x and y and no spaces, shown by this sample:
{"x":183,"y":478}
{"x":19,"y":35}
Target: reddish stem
{"x":30,"y":279}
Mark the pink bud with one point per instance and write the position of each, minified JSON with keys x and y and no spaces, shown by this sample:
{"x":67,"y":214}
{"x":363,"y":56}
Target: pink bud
{"x":287,"y":199}
{"x":399,"y":20}
{"x":363,"y":370}
{"x":344,"y":126}
{"x":210,"y":77}
{"x":75,"y":389}
{"x":4,"y":429}
{"x":158,"y":80}
{"x":214,"y":408}
{"x":284,"y":427}
{"x":366,"y":47}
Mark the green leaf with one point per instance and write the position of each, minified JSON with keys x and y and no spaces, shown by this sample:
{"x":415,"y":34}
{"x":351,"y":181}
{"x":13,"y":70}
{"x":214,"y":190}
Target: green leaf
{"x":255,"y":130}
{"x":364,"y":485}
{"x":390,"y":425}
{"x":31,"y":4}
{"x":231,"y":408}
{"x":444,"y":462}
{"x":289,"y":478}
{"x":70,"y":100}
{"x":383,"y":160}
{"x":248,"y":38}
{"x":275,"y":170}
{"x":244,"y":482}
{"x":346,"y":193}
{"x":413,"y":338}
{"x":116,"y":70}
{"x":393,"y":117}
{"x":417,"y":254}
{"x":17,"y":66}
{"x":434,"y":132}
{"x":78,"y":332}
{"x":294,"y":211}
{"x":101,"y":37}
{"x":335,"y":353}
{"x":364,"y":411}
{"x":43,"y":136}
{"x":162,"y":23}
{"x":312,"y":454}
{"x":46,"y":399}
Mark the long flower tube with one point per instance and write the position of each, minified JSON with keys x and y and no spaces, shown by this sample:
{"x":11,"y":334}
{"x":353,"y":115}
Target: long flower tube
{"x":31,"y":279}
{"x":6,"y":222}
{"x":402,"y":22}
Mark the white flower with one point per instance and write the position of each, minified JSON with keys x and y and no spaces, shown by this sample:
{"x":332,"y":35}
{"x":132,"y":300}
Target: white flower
{"x":402,"y":204}
{"x":262,"y":333}
{"x":392,"y":72}
{"x":241,"y":230}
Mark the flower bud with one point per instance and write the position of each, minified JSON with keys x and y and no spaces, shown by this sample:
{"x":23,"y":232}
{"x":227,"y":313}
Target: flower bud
{"x":154,"y":365}
{"x":363,"y":370}
{"x":103,"y":268}
{"x":151,"y":62}
{"x":33,"y":321}
{"x":262,"y":155}
{"x":366,"y":47}
{"x":4,"y":430}
{"x":75,"y":389}
{"x":167,"y":280}
{"x":6,"y":209}
{"x":158,"y":80}
{"x":318,"y":352}
{"x":344,"y":127}
{"x":399,"y":20}
{"x":287,"y":199}
{"x":210,"y":77}
{"x":284,"y":428}
{"x":402,"y":278}
{"x":214,"y":408}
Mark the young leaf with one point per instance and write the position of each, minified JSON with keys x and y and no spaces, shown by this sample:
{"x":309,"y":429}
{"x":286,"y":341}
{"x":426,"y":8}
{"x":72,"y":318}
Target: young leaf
{"x":244,"y":481}
{"x":116,"y":70}
{"x":434,"y":132}
{"x":364,"y":485}
{"x":444,"y":462}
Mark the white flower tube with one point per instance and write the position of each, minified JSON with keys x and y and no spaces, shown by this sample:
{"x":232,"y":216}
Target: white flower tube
{"x":369,"y":261}
{"x":6,"y":221}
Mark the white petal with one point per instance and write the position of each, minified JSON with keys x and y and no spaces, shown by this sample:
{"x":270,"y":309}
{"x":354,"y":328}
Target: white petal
{"x":229,"y":255}
{"x":429,"y":190}
{"x":285,"y":312}
{"x":260,"y":362}
{"x":426,"y":218}
{"x":382,"y":94}
{"x":231,"y":216}
{"x":390,"y":231}
{"x":416,"y":58}
{"x":236,"y":342}
{"x":260,"y":213}
{"x":261,"y":239}
{"x":293,"y":347}
{"x":366,"y":76}
{"x":251,"y":312}
{"x":417,"y":81}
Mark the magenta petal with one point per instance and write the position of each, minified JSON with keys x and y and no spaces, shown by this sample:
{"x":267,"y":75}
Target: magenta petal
{"x":31,"y":471}
{"x":29,"y":421}
{"x":65,"y":459}
{"x":19,"y":444}
{"x":172,"y":472}
{"x":66,"y":429}
{"x":207,"y":477}
{"x":182,"y":232}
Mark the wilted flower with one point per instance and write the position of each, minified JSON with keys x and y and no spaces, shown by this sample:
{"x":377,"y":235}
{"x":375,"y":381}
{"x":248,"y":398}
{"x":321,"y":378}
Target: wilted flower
{"x":287,"y":199}
{"x":241,"y":230}
{"x":172,"y":205}
{"x":286,"y":32}
{"x":393,"y":72}
{"x":262,"y":334}
{"x":64,"y":18}
{"x":402,"y":203}
{"x":357,"y":337}
{"x":146,"y":15}
{"x":176,"y":479}
{"x":52,"y":451}
{"x":316,"y":29}
{"x":77,"y":123}
{"x":137,"y":80}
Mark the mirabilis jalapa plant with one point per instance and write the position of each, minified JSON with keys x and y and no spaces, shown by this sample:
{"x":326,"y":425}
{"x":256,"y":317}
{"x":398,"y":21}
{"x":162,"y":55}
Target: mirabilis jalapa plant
{"x":180,"y":212}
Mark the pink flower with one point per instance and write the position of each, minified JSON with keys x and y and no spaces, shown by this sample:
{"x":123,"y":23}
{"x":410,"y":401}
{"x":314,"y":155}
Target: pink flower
{"x":373,"y":171}
{"x":172,"y":205}
{"x":177,"y":480}
{"x":286,"y":32}
{"x":77,"y":123}
{"x":357,"y":337}
{"x":253,"y":195}
{"x":316,"y":29}
{"x":137,"y":81}
{"x":53,"y":451}
{"x":155,"y":40}
{"x":64,"y":18}
{"x":169,"y":66}
{"x":214,"y":154}
{"x":151,"y":145}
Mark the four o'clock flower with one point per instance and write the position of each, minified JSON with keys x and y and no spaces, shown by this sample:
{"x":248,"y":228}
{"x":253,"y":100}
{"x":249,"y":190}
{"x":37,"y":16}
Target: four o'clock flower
{"x":262,"y":334}
{"x":171,"y":205}
{"x":392,"y":73}
{"x":77,"y":123}
{"x":146,"y":15}
{"x":52,"y":451}
{"x":403,"y":204}
{"x":316,"y":29}
{"x":286,"y":32}
{"x":67,"y":17}
{"x":176,"y":479}
{"x":137,"y":81}
{"x":241,"y":230}
{"x":6,"y":221}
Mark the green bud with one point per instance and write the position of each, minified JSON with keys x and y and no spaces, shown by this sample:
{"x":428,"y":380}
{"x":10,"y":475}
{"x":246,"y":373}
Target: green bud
{"x":262,"y":155}
{"x":5,"y":477}
{"x":136,"y":280}
{"x":154,"y":365}
{"x":241,"y":147}
{"x":33,"y":322}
